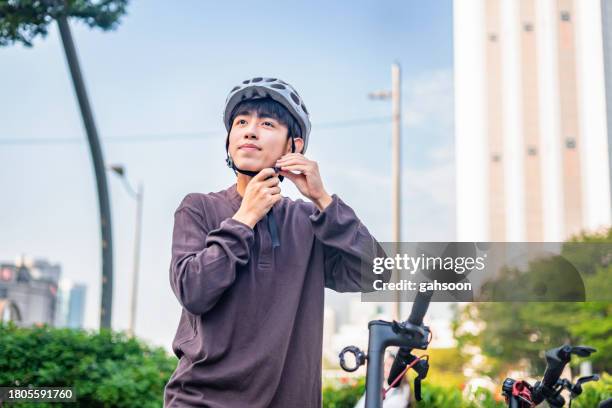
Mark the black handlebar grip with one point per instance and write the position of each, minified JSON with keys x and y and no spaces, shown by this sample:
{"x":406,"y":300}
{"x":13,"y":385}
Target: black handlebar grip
{"x":556,"y":359}
{"x":552,"y":374}
{"x":419,"y":308}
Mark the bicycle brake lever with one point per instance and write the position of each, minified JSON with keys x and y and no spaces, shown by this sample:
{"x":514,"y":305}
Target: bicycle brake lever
{"x":576,"y":389}
{"x":587,"y":378}
{"x":582,"y":351}
{"x":422,"y":368}
{"x":417,"y":389}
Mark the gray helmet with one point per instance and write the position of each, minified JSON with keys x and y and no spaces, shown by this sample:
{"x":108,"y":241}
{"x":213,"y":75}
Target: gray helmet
{"x":276,"y":89}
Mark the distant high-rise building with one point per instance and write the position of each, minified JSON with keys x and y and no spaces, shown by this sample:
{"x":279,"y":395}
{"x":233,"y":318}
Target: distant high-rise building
{"x":533,"y":118}
{"x":70,"y":304}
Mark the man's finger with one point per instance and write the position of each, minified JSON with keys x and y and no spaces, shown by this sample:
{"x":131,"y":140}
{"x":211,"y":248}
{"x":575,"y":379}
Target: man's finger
{"x":289,"y":175}
{"x":296,"y":167}
{"x":290,"y":155}
{"x":300,"y":159}
{"x":292,"y":161}
{"x":272,"y":181}
{"x":274,"y":190}
{"x":264,"y":174}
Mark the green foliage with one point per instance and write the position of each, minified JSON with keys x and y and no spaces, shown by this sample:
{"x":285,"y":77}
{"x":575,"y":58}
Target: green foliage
{"x":346,"y":395}
{"x":521,"y":331}
{"x":435,"y":396}
{"x":21,"y":21}
{"x":343,"y":394}
{"x":106,"y":368}
{"x":594,"y":392}
{"x":445,"y":367}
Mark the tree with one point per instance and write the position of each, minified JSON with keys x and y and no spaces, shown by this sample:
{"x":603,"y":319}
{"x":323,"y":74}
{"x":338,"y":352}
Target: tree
{"x":21,"y":21}
{"x":514,"y":332}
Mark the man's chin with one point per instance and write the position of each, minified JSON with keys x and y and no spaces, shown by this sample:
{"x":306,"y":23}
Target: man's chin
{"x":250,"y":166}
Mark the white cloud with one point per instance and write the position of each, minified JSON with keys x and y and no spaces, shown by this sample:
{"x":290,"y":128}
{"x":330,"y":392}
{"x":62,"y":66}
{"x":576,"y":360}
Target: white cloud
{"x":428,"y":100}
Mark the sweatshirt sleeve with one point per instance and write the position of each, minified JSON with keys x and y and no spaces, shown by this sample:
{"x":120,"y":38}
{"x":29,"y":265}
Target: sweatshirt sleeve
{"x":349,"y":248}
{"x":204,"y":262}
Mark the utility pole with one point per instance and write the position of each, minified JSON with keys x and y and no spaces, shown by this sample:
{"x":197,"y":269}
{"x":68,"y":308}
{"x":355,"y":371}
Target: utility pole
{"x":396,"y":149}
{"x":106,"y":305}
{"x":139,"y":199}
{"x":138,"y":195}
{"x":396,"y":162}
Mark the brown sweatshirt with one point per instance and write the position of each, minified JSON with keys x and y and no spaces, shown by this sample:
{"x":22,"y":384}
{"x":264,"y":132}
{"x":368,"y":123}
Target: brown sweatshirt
{"x":251,"y":327}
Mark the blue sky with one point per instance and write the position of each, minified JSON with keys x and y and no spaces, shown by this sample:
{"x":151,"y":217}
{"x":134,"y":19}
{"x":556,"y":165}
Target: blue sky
{"x":157,"y":86}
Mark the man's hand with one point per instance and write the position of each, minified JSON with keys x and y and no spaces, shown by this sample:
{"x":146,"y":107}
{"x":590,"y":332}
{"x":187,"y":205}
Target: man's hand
{"x":260,"y":195}
{"x":308,"y":181}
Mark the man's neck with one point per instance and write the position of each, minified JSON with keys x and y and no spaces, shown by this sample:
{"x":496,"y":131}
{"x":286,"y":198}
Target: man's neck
{"x":241,"y":183}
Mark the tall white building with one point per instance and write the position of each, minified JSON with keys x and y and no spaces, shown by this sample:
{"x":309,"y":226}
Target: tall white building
{"x":532,"y":118}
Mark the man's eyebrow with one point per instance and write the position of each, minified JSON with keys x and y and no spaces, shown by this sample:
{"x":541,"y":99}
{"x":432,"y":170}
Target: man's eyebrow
{"x":266,"y":116}
{"x":243,"y":113}
{"x":262,"y":116}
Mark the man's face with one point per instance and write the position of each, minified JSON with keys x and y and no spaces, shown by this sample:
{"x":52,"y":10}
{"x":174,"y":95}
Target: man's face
{"x":256,"y":142}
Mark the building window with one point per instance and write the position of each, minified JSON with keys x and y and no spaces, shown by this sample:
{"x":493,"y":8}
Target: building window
{"x":493,"y":37}
{"x":570,"y":143}
{"x":528,"y":27}
{"x":532,"y":151}
{"x":3,"y":293}
{"x":496,"y":157}
{"x":565,"y":16}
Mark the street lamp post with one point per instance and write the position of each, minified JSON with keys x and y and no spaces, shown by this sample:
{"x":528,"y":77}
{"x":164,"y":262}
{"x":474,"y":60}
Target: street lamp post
{"x":138,"y":195}
{"x":396,"y":158}
{"x":106,"y":303}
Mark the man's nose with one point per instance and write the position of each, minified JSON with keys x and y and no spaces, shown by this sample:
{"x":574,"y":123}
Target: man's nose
{"x":251,"y":131}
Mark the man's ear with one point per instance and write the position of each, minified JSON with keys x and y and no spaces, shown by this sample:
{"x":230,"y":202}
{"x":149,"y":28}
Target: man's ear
{"x":299,"y":145}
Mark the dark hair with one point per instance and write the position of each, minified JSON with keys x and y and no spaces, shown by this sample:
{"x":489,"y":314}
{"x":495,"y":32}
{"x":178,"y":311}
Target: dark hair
{"x":268,"y":107}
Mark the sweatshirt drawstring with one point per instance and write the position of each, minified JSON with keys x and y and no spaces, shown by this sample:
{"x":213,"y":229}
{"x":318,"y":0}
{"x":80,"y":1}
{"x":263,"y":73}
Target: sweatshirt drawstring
{"x":273,"y":229}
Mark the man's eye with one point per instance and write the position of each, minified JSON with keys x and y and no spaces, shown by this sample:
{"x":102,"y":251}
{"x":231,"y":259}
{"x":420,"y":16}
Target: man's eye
{"x":240,"y":121}
{"x":267,"y":123}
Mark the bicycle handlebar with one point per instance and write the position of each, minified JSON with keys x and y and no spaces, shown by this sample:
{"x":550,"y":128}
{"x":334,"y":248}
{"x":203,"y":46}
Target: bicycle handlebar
{"x":419,"y":308}
{"x":403,"y":357}
{"x":556,"y":359}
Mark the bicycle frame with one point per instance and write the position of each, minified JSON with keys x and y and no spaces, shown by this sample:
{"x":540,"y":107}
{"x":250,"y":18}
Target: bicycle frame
{"x":407,"y":335}
{"x":383,"y":335}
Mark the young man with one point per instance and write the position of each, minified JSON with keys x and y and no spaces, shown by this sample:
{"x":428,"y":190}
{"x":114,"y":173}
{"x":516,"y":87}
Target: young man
{"x":249,"y":266}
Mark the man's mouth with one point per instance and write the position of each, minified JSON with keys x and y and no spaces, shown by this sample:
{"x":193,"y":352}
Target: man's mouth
{"x":249,"y":146}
